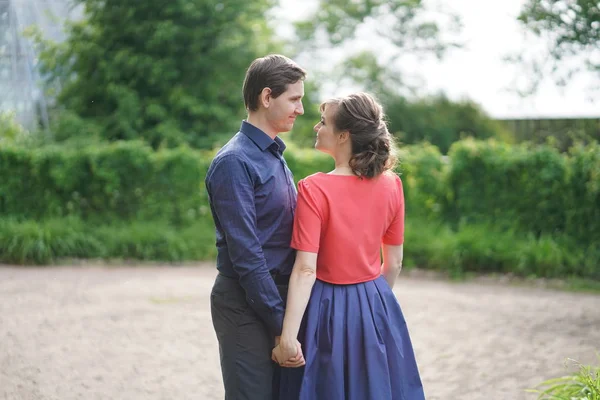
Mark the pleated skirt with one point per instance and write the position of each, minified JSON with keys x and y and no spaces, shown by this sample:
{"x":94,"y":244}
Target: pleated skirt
{"x":356,"y":345}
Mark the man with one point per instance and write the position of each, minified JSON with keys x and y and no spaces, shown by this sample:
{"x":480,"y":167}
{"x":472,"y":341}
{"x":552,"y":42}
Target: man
{"x":252,"y":197}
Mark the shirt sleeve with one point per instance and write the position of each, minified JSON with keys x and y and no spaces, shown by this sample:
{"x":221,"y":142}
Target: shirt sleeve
{"x":395,"y":232}
{"x":231,"y":192}
{"x":307,"y":221}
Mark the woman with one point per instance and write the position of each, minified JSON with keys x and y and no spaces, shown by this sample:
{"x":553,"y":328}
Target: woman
{"x":340,"y":303}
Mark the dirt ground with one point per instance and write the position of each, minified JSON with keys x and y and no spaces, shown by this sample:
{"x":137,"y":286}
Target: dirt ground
{"x":133,"y":333}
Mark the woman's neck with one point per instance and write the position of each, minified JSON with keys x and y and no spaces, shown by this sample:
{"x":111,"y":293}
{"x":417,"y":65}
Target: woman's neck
{"x":342,"y":169}
{"x":342,"y":163}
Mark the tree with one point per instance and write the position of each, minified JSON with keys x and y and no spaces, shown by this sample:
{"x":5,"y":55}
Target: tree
{"x":572,"y":31}
{"x":440,"y":121}
{"x":10,"y":129}
{"x":392,"y":30}
{"x":168,"y":72}
{"x":326,"y":43}
{"x":400,"y":22}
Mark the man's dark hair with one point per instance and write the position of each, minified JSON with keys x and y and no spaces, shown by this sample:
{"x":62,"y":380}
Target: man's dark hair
{"x":275,"y":72}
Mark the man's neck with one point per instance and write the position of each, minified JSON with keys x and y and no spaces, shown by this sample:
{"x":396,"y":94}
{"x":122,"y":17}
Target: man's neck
{"x":259,"y":121}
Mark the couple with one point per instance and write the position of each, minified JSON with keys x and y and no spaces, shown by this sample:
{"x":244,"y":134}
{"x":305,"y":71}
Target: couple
{"x":338,"y":332}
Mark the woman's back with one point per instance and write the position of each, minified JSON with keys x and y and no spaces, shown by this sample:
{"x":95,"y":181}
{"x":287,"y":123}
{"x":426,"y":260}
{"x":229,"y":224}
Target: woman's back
{"x":348,"y":322}
{"x":345,"y":219}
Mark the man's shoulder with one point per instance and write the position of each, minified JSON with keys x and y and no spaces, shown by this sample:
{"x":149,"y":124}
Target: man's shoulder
{"x":234,"y":149}
{"x":233,"y":156}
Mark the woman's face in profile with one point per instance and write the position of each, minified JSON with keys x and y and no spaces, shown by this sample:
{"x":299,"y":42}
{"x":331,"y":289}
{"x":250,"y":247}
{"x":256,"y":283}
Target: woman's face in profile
{"x":327,"y":136}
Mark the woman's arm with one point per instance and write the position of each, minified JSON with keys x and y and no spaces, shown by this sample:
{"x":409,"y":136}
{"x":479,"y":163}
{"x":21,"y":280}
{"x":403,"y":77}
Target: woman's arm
{"x":302,"y":281}
{"x":392,"y":262}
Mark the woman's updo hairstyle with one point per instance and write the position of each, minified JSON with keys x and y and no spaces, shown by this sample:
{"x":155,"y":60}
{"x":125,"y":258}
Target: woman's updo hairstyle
{"x":373,"y":150}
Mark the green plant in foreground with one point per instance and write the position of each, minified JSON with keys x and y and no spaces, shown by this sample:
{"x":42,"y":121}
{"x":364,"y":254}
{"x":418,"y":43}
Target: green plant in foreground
{"x":582,"y":385}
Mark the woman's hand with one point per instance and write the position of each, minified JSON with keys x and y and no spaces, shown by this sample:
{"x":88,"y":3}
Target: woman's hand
{"x":288,"y":354}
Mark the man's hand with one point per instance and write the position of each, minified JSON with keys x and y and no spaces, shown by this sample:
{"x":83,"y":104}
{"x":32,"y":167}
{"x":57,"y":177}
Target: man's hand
{"x":288,"y":354}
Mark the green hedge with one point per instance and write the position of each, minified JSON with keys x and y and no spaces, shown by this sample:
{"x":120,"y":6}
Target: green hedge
{"x":508,"y":185}
{"x":530,"y":189}
{"x":423,"y":171}
{"x":125,"y":181}
{"x":583,"y":194}
{"x":488,"y":207}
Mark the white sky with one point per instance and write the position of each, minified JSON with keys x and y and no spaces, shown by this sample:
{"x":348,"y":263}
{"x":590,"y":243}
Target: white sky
{"x":478,"y":71}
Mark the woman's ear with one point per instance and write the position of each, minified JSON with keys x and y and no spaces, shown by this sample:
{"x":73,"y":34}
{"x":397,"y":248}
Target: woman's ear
{"x":265,"y":97}
{"x":343,"y":137}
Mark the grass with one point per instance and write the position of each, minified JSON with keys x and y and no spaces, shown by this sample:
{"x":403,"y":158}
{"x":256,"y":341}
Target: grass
{"x":470,"y":251}
{"x":581,"y":385}
{"x":47,"y":242}
{"x":582,"y":285}
{"x":473,"y":250}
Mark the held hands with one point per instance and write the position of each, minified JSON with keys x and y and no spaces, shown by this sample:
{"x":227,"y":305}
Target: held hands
{"x":288,"y":353}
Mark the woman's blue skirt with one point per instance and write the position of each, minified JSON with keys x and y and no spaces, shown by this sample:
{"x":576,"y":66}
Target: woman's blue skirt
{"x":356,"y":345}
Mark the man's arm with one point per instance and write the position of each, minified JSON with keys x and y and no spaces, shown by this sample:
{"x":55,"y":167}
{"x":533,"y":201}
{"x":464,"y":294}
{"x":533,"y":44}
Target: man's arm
{"x":231,"y":192}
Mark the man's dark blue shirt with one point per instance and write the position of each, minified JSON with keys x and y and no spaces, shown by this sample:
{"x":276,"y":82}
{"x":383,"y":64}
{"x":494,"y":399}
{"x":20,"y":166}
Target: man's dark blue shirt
{"x":252,"y":198}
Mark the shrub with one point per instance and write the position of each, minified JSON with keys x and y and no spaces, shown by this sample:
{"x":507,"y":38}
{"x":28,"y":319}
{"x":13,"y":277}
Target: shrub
{"x":490,"y":207}
{"x":440,"y":121}
{"x":123,"y":180}
{"x":510,"y":186}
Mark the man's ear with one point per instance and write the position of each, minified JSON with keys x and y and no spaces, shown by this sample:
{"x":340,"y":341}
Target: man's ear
{"x":265,"y":97}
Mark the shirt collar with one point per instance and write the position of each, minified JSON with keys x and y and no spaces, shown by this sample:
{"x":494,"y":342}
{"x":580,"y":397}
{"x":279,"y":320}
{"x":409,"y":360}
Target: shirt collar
{"x":281,"y":144}
{"x":260,"y":138}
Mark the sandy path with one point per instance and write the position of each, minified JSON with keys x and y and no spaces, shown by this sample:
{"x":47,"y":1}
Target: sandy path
{"x":145,"y":333}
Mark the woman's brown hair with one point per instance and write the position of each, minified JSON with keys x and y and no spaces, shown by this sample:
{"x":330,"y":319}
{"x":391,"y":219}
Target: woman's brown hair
{"x":373,"y":149}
